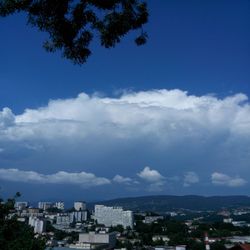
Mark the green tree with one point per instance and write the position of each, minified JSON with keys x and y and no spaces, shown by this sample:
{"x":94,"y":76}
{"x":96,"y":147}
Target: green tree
{"x":15,"y":235}
{"x":71,"y":25}
{"x":218,"y":245}
{"x":53,"y":210}
{"x":118,"y":228}
{"x":194,"y":245}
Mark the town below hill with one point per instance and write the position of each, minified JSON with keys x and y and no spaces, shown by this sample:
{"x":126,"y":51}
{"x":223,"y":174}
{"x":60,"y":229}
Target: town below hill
{"x":176,"y":227}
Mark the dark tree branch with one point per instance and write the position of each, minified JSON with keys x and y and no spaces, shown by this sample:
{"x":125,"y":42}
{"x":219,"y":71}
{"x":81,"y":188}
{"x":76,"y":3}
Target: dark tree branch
{"x":71,"y":25}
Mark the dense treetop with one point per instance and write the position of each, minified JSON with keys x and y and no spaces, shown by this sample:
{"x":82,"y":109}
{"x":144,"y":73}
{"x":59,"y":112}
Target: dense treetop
{"x":15,"y":235}
{"x":71,"y":25}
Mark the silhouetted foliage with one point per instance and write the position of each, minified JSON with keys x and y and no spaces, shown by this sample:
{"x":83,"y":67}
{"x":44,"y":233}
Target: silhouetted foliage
{"x":15,"y":235}
{"x":118,"y":228}
{"x":194,"y":245}
{"x":217,"y":246}
{"x":71,"y":25}
{"x":53,"y":210}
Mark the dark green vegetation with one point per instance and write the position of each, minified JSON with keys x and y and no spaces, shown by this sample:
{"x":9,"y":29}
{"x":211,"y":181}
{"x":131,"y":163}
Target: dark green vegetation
{"x":179,"y":233}
{"x":218,"y":230}
{"x":61,"y":235}
{"x":165,"y":203}
{"x":15,"y":235}
{"x":71,"y":25}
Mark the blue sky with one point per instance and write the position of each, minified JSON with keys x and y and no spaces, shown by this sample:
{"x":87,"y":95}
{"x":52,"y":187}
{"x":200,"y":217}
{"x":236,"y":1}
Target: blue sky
{"x":170,"y":117}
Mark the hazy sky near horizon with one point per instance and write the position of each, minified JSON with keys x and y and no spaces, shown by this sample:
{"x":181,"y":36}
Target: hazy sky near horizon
{"x":171,"y":117}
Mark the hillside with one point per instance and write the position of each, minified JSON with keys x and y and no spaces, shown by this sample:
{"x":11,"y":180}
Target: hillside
{"x":165,"y":203}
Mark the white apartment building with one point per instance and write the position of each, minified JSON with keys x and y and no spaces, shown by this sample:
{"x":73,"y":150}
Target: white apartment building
{"x":113,"y":216}
{"x":78,"y":216}
{"x":20,"y":205}
{"x":59,"y":205}
{"x":44,"y":205}
{"x":63,"y":219}
{"x":227,"y":220}
{"x":39,"y":225}
{"x":98,"y":238}
{"x":80,"y":205}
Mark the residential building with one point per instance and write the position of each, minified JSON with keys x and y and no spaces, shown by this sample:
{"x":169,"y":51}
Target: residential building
{"x":44,"y":205}
{"x":98,"y":238}
{"x":38,"y":224}
{"x":34,"y":212}
{"x":63,"y":219}
{"x":59,"y":205}
{"x":78,"y":216}
{"x":164,"y":238}
{"x":239,"y":223}
{"x":180,"y":247}
{"x":20,"y":205}
{"x":239,"y":239}
{"x":113,"y":216}
{"x":227,"y":220}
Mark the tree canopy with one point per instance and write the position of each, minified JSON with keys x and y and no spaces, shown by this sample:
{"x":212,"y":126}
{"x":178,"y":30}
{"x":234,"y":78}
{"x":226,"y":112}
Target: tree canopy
{"x":72,"y":24}
{"x":15,"y":235}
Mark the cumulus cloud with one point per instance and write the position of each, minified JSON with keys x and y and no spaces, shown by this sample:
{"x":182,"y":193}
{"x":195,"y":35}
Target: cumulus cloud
{"x":167,"y":128}
{"x":226,"y":180}
{"x":150,"y":175}
{"x":82,"y":178}
{"x":7,"y":118}
{"x":123,"y":180}
{"x":161,"y":113}
{"x":190,"y":178}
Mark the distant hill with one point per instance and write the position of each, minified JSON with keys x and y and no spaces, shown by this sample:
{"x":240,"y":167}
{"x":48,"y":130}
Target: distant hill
{"x":165,"y":203}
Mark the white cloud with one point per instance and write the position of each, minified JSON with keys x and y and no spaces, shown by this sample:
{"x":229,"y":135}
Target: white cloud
{"x":153,"y":177}
{"x":168,"y":128}
{"x":190,"y":178}
{"x":123,"y":180}
{"x":82,"y":178}
{"x":150,"y":175}
{"x":165,"y":114}
{"x":7,"y":118}
{"x":226,"y":180}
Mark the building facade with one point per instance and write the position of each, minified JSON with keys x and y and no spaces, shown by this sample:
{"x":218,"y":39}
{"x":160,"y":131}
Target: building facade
{"x":39,"y":225}
{"x":98,"y":238}
{"x":63,"y":219}
{"x":20,"y":205}
{"x":113,"y":216}
{"x":44,"y":205}
{"x":78,"y":216}
{"x":59,"y":205}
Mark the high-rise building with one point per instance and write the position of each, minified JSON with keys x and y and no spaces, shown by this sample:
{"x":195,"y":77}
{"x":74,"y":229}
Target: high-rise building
{"x":78,"y":216}
{"x":39,"y":225}
{"x":20,"y":205}
{"x":80,"y":205}
{"x":44,"y":205}
{"x":94,"y":238}
{"x":113,"y":216}
{"x":59,"y":205}
{"x":63,"y":219}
